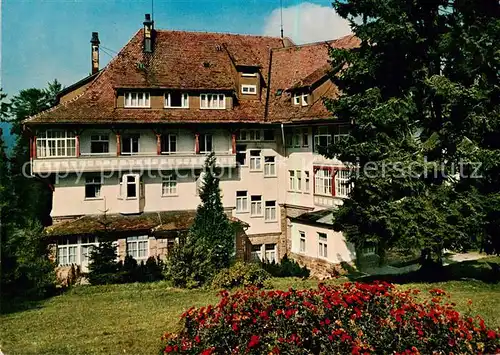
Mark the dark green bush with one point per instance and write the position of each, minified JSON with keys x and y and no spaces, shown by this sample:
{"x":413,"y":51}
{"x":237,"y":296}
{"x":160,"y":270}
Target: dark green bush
{"x":240,"y":274}
{"x":286,"y":268}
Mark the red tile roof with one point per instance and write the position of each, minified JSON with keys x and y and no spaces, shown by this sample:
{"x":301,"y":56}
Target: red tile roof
{"x":195,"y":61}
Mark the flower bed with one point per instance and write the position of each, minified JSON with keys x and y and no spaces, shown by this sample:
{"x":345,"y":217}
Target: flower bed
{"x":351,"y":319}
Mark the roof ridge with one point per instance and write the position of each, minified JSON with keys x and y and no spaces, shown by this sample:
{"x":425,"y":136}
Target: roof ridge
{"x":310,"y":44}
{"x":100,"y":73}
{"x":221,"y":33}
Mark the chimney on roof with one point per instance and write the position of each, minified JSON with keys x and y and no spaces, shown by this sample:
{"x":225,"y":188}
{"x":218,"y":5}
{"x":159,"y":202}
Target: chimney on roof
{"x":148,"y":34}
{"x":94,"y":44}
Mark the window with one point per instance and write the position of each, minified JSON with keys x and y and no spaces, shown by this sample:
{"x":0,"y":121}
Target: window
{"x":249,"y":89}
{"x":323,"y":245}
{"x":67,"y":251}
{"x":269,"y":135}
{"x":256,"y":206}
{"x":53,"y":144}
{"x":292,"y":184}
{"x":323,"y":181}
{"x":75,"y":250}
{"x":341,"y":133}
{"x":269,"y":166}
{"x":213,"y":101}
{"x":137,"y":99}
{"x":255,"y":160}
{"x":129,"y":186}
{"x":270,"y":253}
{"x":270,"y":211}
{"x":369,"y":250}
{"x":302,"y":242}
{"x":168,"y":143}
{"x":169,"y":185}
{"x":93,"y":187}
{"x":249,"y":74}
{"x":300,"y":99}
{"x":176,"y":100}
{"x":295,"y":180}
{"x":305,"y":137}
{"x":241,"y":201}
{"x":307,"y":182}
{"x":249,"y":135}
{"x":323,"y":138}
{"x":137,"y":247}
{"x":342,"y":186}
{"x":99,"y":144}
{"x":130,"y":144}
{"x":241,"y":154}
{"x":295,"y":138}
{"x":257,"y":252}
{"x":206,"y":143}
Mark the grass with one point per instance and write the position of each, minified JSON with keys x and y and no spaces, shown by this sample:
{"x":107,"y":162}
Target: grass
{"x":129,"y":319}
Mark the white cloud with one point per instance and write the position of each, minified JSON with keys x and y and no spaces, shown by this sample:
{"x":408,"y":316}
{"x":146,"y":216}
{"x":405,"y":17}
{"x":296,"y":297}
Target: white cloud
{"x":307,"y":22}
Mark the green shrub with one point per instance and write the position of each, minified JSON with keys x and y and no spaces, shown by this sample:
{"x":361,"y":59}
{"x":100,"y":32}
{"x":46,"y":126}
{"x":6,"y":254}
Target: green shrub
{"x":240,"y":274}
{"x":286,"y":268}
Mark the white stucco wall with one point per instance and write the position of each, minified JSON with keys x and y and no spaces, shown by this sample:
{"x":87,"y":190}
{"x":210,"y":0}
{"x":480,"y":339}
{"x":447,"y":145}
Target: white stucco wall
{"x":339,"y":249}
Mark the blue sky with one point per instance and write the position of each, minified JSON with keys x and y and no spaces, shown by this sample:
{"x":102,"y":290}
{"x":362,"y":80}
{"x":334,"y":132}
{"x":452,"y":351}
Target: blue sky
{"x":47,"y":39}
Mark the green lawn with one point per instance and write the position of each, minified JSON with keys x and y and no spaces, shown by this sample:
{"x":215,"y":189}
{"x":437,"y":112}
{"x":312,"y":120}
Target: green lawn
{"x":129,"y":319}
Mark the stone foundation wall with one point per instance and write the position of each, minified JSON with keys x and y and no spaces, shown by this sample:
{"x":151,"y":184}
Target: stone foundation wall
{"x":321,"y":269}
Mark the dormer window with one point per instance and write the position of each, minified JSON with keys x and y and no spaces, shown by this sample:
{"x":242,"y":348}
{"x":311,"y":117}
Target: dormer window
{"x":249,"y":89}
{"x":213,"y":101}
{"x":176,"y":100}
{"x":300,"y":99}
{"x":137,"y":99}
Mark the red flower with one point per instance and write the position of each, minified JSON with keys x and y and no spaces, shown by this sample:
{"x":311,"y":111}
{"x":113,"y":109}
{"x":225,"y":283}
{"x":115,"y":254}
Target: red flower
{"x":491,"y":334}
{"x":254,"y":341}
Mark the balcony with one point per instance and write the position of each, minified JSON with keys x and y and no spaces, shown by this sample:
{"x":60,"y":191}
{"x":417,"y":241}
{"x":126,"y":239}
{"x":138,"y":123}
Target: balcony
{"x":140,"y":161}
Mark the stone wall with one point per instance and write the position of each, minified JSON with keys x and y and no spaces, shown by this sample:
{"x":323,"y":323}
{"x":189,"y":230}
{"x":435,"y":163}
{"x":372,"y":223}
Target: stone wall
{"x":321,"y":269}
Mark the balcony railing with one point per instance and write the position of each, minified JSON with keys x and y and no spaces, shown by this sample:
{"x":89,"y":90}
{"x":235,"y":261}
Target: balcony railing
{"x":91,"y":162}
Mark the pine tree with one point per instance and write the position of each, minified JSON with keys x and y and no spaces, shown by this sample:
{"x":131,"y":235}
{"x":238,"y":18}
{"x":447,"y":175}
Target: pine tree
{"x":209,"y":245}
{"x":413,"y":115}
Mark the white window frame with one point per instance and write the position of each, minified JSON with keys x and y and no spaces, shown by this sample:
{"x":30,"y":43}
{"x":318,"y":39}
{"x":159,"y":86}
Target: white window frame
{"x":137,"y":99}
{"x":300,"y":99}
{"x":184,"y":100}
{"x":212,"y":101}
{"x":302,"y":242}
{"x":256,"y":252}
{"x":270,"y":211}
{"x":256,"y":209}
{"x":130,"y":137}
{"x":255,"y":160}
{"x":63,"y":251}
{"x":249,"y":74}
{"x":369,"y":250}
{"x":95,"y":181}
{"x":323,"y":182}
{"x":307,"y":181}
{"x":168,"y":137}
{"x":242,"y":202}
{"x":203,"y":143}
{"x":124,"y":186}
{"x":250,"y":135}
{"x":56,"y":144}
{"x":322,"y":245}
{"x":136,"y":244}
{"x":99,"y":138}
{"x":295,"y":180}
{"x":270,"y":166}
{"x":270,"y":253}
{"x":342,"y":186}
{"x":322,"y":132}
{"x":169,"y":185}
{"x":250,"y":89}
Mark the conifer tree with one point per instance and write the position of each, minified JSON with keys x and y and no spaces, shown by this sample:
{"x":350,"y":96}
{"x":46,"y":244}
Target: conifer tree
{"x":418,"y":92}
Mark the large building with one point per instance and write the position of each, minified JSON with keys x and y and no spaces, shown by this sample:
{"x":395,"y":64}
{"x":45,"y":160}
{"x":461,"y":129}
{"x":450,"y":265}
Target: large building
{"x":124,"y":148}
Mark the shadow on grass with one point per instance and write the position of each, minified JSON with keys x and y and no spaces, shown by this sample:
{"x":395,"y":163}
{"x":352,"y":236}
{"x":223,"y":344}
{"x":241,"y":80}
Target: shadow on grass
{"x":486,"y":270}
{"x":16,"y":304}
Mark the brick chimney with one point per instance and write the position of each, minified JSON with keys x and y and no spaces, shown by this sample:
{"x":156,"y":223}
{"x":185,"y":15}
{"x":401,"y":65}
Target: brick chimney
{"x":94,"y":43}
{"x":148,"y":34}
